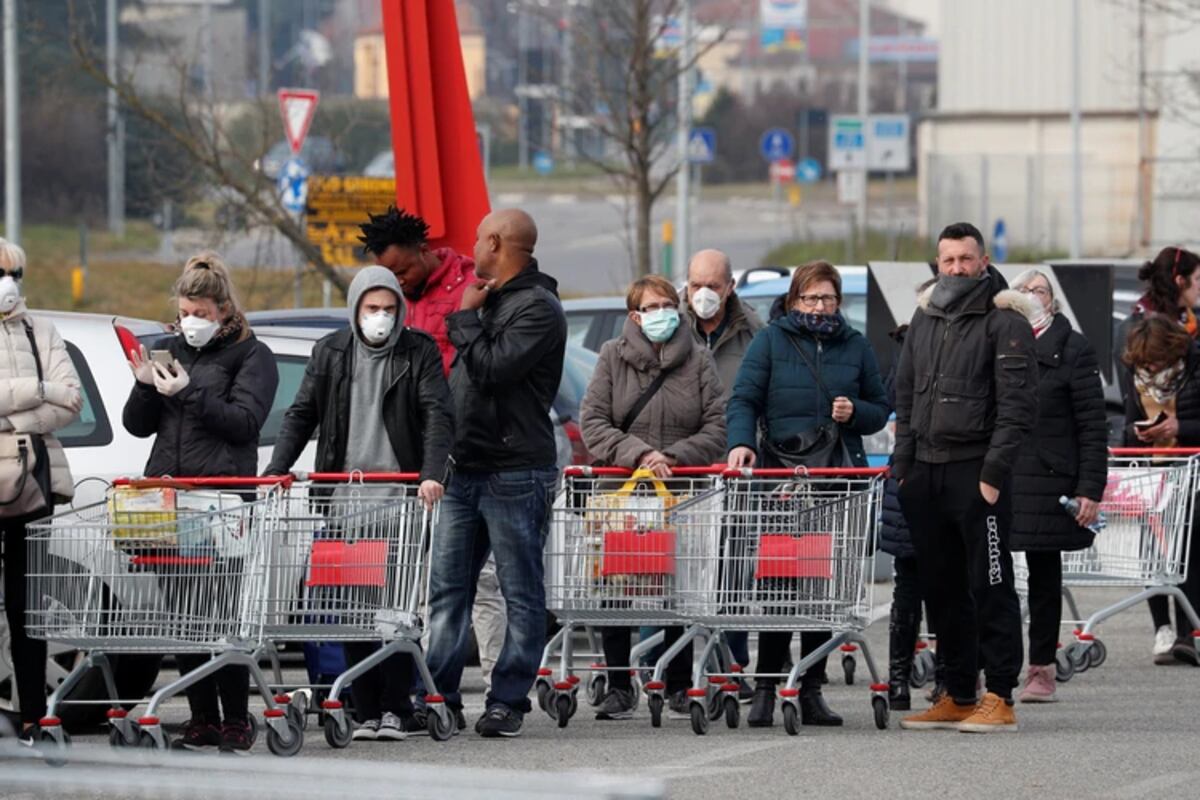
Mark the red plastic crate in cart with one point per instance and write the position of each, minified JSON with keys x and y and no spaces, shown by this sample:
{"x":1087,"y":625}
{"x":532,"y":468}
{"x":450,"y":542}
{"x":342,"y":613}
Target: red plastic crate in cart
{"x":638,"y":553}
{"x":782,"y":555}
{"x":359,"y":563}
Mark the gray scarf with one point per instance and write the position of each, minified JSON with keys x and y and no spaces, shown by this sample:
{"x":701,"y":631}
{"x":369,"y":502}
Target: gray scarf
{"x":949,"y":289}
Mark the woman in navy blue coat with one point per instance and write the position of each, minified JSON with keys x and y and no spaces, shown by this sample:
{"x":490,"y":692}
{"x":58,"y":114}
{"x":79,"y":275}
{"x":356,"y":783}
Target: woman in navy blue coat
{"x":806,"y":369}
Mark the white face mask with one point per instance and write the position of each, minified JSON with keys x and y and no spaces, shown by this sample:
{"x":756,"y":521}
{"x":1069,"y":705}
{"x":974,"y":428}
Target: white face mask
{"x":198,"y":332}
{"x":377,"y":327}
{"x":10,"y":294}
{"x":706,"y":303}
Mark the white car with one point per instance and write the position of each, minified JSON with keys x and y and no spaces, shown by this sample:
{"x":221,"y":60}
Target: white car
{"x":99,"y":450}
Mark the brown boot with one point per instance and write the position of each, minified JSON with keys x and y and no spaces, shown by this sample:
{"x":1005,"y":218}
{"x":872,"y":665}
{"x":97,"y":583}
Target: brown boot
{"x":992,"y":715}
{"x":944,"y":715}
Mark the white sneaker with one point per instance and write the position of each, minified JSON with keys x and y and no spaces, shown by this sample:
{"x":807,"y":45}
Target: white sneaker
{"x":391,"y":729}
{"x":1164,"y":640}
{"x":367,"y":732}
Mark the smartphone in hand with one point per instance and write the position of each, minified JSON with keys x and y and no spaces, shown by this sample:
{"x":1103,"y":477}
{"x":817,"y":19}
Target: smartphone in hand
{"x":164,"y":359}
{"x":1150,"y":423}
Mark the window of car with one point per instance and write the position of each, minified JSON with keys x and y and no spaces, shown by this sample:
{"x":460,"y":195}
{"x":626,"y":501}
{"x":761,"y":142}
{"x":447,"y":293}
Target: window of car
{"x":291,"y":374}
{"x":578,"y":325}
{"x":91,"y":428}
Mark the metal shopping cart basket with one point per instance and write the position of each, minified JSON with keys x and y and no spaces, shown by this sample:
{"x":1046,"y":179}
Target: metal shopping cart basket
{"x":617,"y":539}
{"x":796,"y":553}
{"x":160,"y":566}
{"x":352,"y":565}
{"x":1149,"y":505}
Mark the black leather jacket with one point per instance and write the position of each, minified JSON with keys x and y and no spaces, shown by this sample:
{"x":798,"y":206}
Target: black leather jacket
{"x":506,"y":374}
{"x":415,"y":407}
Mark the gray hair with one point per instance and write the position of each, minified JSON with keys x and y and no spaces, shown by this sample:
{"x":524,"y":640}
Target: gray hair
{"x":723,"y":258}
{"x":1027,"y":277}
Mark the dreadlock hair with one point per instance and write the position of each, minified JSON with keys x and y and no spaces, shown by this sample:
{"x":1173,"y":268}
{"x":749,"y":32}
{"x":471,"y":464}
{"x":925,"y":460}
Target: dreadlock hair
{"x":393,"y":227}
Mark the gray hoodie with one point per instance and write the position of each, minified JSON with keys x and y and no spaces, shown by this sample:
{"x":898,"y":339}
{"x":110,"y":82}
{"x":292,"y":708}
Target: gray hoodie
{"x":368,"y":447}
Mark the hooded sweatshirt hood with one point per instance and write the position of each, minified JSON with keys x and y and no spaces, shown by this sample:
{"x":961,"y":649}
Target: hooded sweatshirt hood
{"x":369,"y":279}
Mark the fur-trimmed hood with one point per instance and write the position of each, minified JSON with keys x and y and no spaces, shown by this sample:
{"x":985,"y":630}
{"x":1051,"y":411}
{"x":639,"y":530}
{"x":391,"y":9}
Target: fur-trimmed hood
{"x":1002,"y":298}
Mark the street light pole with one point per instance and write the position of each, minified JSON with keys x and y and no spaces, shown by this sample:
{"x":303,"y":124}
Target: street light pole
{"x":683,"y":189}
{"x":12,"y":127}
{"x":1076,"y":138}
{"x":522,"y":99}
{"x":264,"y":47}
{"x":864,"y":75}
{"x":116,"y":129}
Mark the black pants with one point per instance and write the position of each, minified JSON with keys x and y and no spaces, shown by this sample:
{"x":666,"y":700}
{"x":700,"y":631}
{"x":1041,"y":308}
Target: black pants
{"x":1159,"y":607}
{"x":773,"y":647}
{"x":966,"y":570}
{"x":386,"y":688}
{"x":231,"y":684}
{"x":617,"y":644}
{"x":28,"y":655}
{"x":1045,"y":605}
{"x":906,"y":591}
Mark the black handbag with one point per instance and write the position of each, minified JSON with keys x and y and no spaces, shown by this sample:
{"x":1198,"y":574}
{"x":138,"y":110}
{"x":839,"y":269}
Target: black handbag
{"x":821,"y":447}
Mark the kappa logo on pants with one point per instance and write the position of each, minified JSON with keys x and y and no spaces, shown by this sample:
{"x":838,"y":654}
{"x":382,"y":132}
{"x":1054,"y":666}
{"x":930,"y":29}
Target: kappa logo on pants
{"x":995,"y":573}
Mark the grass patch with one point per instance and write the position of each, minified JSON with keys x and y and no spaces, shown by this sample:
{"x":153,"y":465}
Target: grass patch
{"x":879,"y":248}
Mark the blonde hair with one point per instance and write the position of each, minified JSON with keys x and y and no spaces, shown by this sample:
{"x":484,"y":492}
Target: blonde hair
{"x":11,"y":256}
{"x":205,"y":277}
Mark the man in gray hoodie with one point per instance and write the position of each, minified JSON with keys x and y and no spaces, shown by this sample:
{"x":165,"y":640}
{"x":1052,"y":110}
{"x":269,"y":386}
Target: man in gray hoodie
{"x":377,"y":392}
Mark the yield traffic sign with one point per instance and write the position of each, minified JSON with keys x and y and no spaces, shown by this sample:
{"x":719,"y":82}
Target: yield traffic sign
{"x":297,"y":107}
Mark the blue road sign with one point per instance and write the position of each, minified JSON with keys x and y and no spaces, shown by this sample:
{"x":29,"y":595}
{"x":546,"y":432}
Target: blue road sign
{"x":543,"y":162}
{"x":702,"y":146}
{"x":808,"y":170}
{"x":1000,"y":242}
{"x":776,"y":144}
{"x":293,"y":185}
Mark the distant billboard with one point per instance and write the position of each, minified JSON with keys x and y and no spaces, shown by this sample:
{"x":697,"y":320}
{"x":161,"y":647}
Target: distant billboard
{"x":911,"y":49}
{"x":783,"y":24}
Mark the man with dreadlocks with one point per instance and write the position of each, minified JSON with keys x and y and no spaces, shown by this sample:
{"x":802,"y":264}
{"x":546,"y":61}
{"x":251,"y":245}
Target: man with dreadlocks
{"x":433,"y":281}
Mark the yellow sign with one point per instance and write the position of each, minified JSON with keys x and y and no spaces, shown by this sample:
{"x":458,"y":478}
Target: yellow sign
{"x":794,"y":195}
{"x":337,"y":205}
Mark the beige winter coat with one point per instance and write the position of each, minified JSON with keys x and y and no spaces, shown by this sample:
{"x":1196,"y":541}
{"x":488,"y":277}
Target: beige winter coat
{"x":685,"y":419}
{"x":23,"y":406}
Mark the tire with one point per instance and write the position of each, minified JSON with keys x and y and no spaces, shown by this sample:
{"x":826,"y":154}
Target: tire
{"x":655,"y":704}
{"x":880,"y":706}
{"x":440,"y":730}
{"x":297,"y":710}
{"x":848,"y":667}
{"x":733,"y":711}
{"x":699,"y":718}
{"x":562,"y":710}
{"x":791,"y":719}
{"x":1064,"y":667}
{"x":337,"y":737}
{"x":147,"y":741}
{"x":54,"y":747}
{"x":543,"y":694}
{"x":1098,"y":653}
{"x":293,"y":745}
{"x":597,"y":686}
{"x":716,"y":704}
{"x":1079,"y":657}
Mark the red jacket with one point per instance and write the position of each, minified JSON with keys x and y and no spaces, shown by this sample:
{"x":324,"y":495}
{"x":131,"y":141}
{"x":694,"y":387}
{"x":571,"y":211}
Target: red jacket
{"x":442,"y":297}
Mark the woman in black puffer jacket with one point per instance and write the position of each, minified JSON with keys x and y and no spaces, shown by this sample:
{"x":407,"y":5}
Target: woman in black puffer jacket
{"x":1067,"y":456}
{"x":206,"y":413}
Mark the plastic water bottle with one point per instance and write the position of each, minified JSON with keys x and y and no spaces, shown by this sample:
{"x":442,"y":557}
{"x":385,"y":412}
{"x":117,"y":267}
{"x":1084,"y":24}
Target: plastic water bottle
{"x":1071,"y":506}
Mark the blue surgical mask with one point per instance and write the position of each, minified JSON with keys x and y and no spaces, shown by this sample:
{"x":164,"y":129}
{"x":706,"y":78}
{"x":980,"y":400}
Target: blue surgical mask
{"x":659,"y":325}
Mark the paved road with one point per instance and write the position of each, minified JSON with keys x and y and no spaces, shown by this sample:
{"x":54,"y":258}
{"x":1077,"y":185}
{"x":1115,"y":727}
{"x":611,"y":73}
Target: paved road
{"x":1128,"y":729}
{"x":584,"y":240}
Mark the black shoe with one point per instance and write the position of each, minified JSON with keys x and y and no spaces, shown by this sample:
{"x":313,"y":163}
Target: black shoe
{"x":1184,"y":650}
{"x":235,"y":738}
{"x":813,"y":710}
{"x":197,"y":735}
{"x":31,"y":736}
{"x":899,"y":698}
{"x":499,"y":721}
{"x":902,"y":643}
{"x":762,"y":707}
{"x":617,"y":704}
{"x":745,"y":691}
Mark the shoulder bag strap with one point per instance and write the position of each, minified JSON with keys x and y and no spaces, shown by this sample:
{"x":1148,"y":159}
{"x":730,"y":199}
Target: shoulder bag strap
{"x":37,"y":359}
{"x":642,"y":401}
{"x":808,"y":362}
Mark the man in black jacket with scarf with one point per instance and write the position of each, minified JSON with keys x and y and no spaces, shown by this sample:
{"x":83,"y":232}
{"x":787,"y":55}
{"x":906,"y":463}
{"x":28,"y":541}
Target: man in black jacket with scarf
{"x":966,"y":401}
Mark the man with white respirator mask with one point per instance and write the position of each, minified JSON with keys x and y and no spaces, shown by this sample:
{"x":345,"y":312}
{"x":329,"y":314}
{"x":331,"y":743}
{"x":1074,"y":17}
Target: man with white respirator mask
{"x":719,"y":320}
{"x":377,"y":393}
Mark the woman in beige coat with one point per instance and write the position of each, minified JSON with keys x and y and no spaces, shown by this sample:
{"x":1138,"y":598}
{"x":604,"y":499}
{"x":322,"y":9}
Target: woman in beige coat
{"x":681,"y":424}
{"x":39,"y":394}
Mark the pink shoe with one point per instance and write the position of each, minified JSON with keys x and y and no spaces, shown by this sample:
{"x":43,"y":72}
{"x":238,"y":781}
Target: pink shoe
{"x":1039,"y":685}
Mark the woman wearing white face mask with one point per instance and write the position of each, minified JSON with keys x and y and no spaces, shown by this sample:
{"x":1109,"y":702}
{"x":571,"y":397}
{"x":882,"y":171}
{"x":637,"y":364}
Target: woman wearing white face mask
{"x":205,"y":412}
{"x":39,"y":394}
{"x":655,"y":401}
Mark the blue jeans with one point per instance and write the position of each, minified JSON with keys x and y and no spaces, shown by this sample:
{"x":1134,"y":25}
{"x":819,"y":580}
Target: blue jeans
{"x":506,"y":513}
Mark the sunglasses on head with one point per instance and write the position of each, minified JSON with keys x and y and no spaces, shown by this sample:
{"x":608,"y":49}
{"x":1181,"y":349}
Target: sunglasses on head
{"x":15,"y":274}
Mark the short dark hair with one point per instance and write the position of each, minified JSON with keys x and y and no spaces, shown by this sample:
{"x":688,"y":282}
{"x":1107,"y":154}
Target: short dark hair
{"x":393,"y":227}
{"x":962,"y":230}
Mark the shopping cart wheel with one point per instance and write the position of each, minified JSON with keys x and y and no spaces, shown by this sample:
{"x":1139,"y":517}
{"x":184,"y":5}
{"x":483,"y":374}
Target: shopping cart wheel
{"x":655,"y":703}
{"x":791,"y":719}
{"x":55,"y":742}
{"x":922,"y":669}
{"x":597,"y":686}
{"x":441,"y":726}
{"x":339,"y":736}
{"x":699,"y":718}
{"x":1064,"y":668}
{"x":298,"y":708}
{"x":295,"y":738}
{"x":149,"y":741}
{"x":563,"y":710}
{"x":880,"y":706}
{"x":848,"y":667}
{"x":1097,"y":653}
{"x":543,"y":695}
{"x":253,"y":722}
{"x":1080,"y":659}
{"x":733,"y":711}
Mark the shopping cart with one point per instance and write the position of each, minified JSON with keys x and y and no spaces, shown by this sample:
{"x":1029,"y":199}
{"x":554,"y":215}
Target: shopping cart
{"x":160,"y":566}
{"x":796,"y":553}
{"x":352,"y":565}
{"x":1149,"y":505}
{"x":613,"y":559}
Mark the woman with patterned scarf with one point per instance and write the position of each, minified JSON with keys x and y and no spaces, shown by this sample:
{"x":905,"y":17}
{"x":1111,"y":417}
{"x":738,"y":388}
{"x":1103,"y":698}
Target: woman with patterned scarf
{"x":1163,"y":379}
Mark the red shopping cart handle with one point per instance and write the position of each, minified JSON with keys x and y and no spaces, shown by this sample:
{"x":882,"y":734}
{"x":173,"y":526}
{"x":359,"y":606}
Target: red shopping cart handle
{"x":205,"y":483}
{"x":802,"y":472}
{"x":1153,"y":451}
{"x":623,"y":472}
{"x":359,"y":477}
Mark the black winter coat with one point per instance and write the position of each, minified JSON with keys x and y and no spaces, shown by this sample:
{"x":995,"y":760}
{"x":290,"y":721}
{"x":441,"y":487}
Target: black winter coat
{"x":1067,"y":454}
{"x":415,"y":407}
{"x":211,"y":428}
{"x":1187,"y":406}
{"x":966,"y":386}
{"x":894,"y":535}
{"x":506,"y":374}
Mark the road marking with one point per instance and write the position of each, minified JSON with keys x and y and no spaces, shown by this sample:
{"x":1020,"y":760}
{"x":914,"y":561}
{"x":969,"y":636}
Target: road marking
{"x":510,"y":199}
{"x":562,"y":199}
